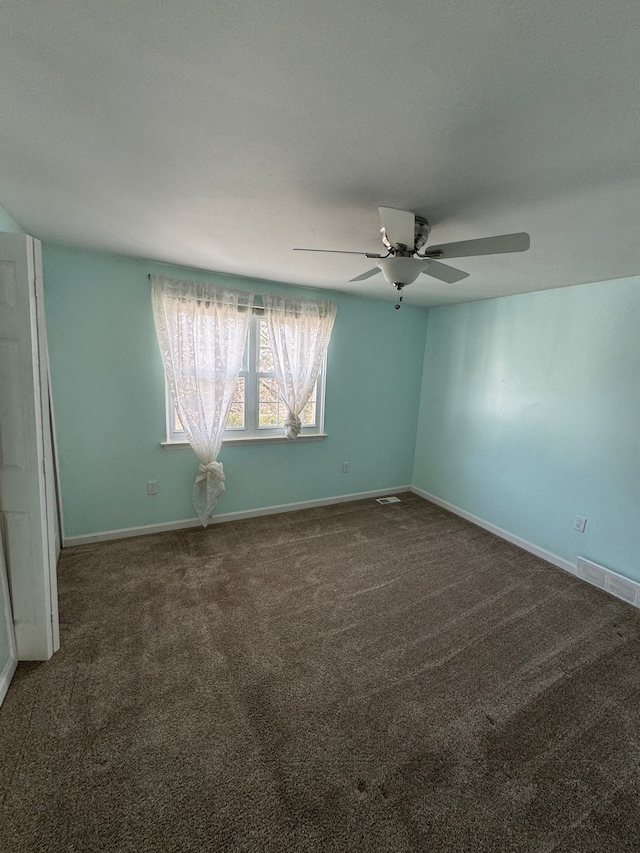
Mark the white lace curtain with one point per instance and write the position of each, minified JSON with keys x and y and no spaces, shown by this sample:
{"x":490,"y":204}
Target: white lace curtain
{"x":202,"y":331}
{"x":299,"y":331}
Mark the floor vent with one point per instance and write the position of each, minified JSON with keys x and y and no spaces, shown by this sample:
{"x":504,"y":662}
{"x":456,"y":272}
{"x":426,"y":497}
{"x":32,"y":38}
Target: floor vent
{"x":610,"y":581}
{"x":391,"y":500}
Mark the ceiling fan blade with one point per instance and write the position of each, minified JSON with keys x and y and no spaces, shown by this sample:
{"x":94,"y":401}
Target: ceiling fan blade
{"x":341,"y":252}
{"x":331,"y":251}
{"x":399,"y":226}
{"x":444,"y":272}
{"x":364,"y":275}
{"x":503,"y":244}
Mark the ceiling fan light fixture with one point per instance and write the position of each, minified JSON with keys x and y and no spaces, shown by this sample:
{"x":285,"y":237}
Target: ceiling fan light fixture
{"x":401,"y":271}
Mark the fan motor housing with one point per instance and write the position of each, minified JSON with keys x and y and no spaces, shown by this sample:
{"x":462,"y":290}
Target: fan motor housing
{"x":423,"y":229}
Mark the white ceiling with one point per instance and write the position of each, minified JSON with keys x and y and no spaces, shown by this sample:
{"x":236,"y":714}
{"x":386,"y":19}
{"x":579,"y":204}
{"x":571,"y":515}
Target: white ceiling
{"x":222,"y":134}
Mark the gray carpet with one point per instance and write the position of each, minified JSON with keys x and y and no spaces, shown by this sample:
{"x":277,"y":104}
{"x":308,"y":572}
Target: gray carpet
{"x":350,"y":678}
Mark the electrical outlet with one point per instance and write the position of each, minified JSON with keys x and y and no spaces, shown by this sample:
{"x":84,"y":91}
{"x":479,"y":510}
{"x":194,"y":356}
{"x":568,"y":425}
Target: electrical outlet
{"x":152,"y":487}
{"x":580,"y":524}
{"x":345,"y":467}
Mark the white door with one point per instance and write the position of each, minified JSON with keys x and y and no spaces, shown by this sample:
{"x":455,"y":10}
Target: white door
{"x":27,"y":487}
{"x":8,"y":653}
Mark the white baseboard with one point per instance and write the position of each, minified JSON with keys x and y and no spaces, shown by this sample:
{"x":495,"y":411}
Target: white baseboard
{"x":560,"y":562}
{"x":105,"y":535}
{"x":605,"y":579}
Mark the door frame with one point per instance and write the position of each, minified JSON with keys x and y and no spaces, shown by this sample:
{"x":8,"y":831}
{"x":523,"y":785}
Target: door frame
{"x":51,"y":505}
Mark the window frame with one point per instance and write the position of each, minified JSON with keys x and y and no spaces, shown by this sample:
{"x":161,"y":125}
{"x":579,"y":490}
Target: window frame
{"x":252,"y":432}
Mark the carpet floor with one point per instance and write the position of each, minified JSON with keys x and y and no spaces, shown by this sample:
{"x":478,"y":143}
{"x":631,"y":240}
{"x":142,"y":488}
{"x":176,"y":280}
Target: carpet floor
{"x":354,"y":677}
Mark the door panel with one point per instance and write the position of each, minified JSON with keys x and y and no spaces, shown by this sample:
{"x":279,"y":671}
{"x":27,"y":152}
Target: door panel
{"x":8,"y":285}
{"x":13,"y":451}
{"x":8,"y":654}
{"x":16,"y":530}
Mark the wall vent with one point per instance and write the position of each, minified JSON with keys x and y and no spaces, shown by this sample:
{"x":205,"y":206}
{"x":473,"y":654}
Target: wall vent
{"x":390,"y":500}
{"x":612,"y":582}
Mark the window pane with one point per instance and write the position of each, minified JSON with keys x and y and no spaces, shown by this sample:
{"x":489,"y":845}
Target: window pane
{"x":265,"y":356}
{"x":273,"y":410}
{"x":265,"y":361}
{"x":236,"y":416}
{"x":270,"y":414}
{"x":308,"y":415}
{"x":238,"y":394}
{"x":268,"y":390}
{"x":236,"y":413}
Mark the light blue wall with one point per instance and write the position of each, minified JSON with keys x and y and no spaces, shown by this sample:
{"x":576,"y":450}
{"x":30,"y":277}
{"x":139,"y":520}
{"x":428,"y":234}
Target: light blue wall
{"x":8,"y":223}
{"x":530,"y":415}
{"x":529,"y":409}
{"x":107,"y":385}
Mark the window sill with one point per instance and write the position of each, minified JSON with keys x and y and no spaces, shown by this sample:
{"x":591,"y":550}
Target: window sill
{"x":252,"y":439}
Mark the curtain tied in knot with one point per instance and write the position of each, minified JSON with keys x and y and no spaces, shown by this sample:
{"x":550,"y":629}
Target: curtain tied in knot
{"x":292,"y":425}
{"x":210,"y":471}
{"x":208,"y":487}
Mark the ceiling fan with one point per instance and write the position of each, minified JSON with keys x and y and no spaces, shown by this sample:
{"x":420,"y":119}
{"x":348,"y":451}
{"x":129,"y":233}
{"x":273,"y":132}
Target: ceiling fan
{"x":405,"y":234}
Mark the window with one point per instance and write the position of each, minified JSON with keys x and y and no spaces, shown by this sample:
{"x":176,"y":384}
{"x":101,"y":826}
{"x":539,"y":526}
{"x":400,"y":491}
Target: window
{"x":257,"y":412}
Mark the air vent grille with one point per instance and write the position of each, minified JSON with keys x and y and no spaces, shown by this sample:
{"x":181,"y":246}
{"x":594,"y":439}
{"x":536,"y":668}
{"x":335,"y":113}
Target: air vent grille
{"x":612,"y":582}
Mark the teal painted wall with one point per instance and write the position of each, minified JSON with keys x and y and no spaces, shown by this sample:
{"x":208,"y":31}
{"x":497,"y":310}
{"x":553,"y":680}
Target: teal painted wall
{"x":526,"y":415}
{"x":8,"y":223}
{"x":108,"y":397}
{"x":530,"y":415}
